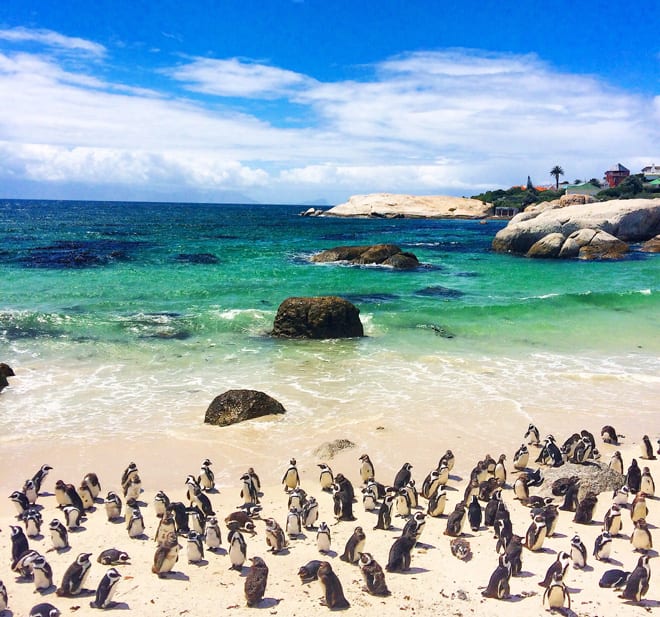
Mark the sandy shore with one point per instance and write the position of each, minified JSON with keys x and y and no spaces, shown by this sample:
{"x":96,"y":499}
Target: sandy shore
{"x":437,"y":584}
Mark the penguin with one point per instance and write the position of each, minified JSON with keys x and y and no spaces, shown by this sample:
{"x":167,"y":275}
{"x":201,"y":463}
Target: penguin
{"x":30,"y":491}
{"x":191,"y":485}
{"x":73,"y":516}
{"x":75,"y":576}
{"x":498,"y":584}
{"x":212,"y":534}
{"x":309,"y":572}
{"x":32,"y":521}
{"x":290,"y":479}
{"x":474,"y":514}
{"x":179,"y":512}
{"x":400,"y":554}
{"x":535,"y":477}
{"x":255,"y":479}
{"x":201,"y":500}
{"x":237,"y":547}
{"x":437,"y":503}
{"x":86,"y":497}
{"x":113,"y":557}
{"x":373,"y":575}
{"x":345,"y":485}
{"x":557,"y":595}
{"x":4,"y":598}
{"x":638,"y":507}
{"x":249,"y":493}
{"x":166,"y":525}
{"x":255,"y":581}
{"x":500,"y":470}
{"x":551,"y":515}
{"x":293,"y":526}
{"x":161,"y":503}
{"x":536,"y":534}
{"x":503,"y":529}
{"x":91,"y":481}
{"x":456,"y":520}
{"x":633,"y":477}
{"x":132,"y":488}
{"x":66,"y":494}
{"x":354,"y":546}
{"x":521,"y":458}
{"x":585,"y":509}
{"x":608,"y":435}
{"x":415,"y":526}
{"x":135,"y":524}
{"x":44,"y":609}
{"x":447,"y":459}
{"x":39,"y":477}
{"x":19,"y":545}
{"x":297,"y":498}
{"x":616,"y":463}
{"x":641,"y":538}
{"x":413,"y":495}
{"x":24,"y":564}
{"x":194,"y":547}
{"x":206,"y":477}
{"x":112,"y":506}
{"x":106,"y":589}
{"x":343,"y":503}
{"x":489,"y":464}
{"x":366,"y":469}
{"x":520,"y":488}
{"x":578,"y":552}
{"x":532,"y":435}
{"x":58,"y":535}
{"x":647,"y":449}
{"x":603,"y":547}
{"x":613,"y":579}
{"x":582,"y":453}
{"x":326,"y":477}
{"x":492,"y":507}
{"x":586,"y":435}
{"x":569,"y":446}
{"x":333,"y":593}
{"x":20,"y":501}
{"x":196,"y":519}
{"x":637,"y":584}
{"x":571,"y":498}
{"x":130,"y":472}
{"x":647,"y":485}
{"x":310,"y":513}
{"x":370,"y":497}
{"x":166,"y":556}
{"x":402,"y":503}
{"x":42,"y":573}
{"x":403,"y":476}
{"x":552,"y":452}
{"x":275,"y":538}
{"x":431,"y":484}
{"x":513,"y":551}
{"x":323,"y":538}
{"x":460,"y":548}
{"x":442,"y":475}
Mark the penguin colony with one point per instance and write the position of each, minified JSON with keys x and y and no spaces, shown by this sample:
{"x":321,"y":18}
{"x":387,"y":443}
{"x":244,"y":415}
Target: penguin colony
{"x":189,"y":531}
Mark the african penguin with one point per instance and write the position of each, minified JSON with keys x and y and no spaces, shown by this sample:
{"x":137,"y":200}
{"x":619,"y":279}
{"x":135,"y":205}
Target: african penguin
{"x":106,"y":589}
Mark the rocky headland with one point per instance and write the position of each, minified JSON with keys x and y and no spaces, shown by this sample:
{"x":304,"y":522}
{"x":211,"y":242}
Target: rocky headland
{"x":378,"y":254}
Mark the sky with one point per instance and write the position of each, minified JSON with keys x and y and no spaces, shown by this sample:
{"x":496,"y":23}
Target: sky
{"x":312,"y":101}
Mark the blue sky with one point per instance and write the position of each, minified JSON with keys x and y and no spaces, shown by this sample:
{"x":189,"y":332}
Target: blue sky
{"x":288,"y":101}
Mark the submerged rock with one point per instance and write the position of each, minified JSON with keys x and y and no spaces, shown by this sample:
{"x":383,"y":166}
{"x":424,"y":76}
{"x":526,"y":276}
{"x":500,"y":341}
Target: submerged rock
{"x":329,"y":449}
{"x":238,"y":405}
{"x":380,"y":254}
{"x":323,"y":317}
{"x":5,"y":371}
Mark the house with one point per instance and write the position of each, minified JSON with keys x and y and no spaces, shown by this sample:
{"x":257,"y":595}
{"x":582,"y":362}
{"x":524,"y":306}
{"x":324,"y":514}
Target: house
{"x":616,"y":175}
{"x":506,"y":211}
{"x":584,"y":188}
{"x":651,"y":172}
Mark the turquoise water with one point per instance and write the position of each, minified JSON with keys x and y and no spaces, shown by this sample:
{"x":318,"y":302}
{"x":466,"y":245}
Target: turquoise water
{"x":118,"y":310}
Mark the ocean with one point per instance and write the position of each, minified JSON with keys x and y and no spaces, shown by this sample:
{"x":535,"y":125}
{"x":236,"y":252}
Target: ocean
{"x":125,"y":320}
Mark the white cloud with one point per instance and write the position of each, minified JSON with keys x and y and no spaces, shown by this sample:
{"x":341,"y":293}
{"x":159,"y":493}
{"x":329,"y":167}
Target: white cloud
{"x":52,"y":39}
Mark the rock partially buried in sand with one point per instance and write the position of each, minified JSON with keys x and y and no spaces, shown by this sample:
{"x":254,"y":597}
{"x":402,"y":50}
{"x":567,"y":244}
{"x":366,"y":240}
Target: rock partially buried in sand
{"x":324,"y":317}
{"x":596,"y":477}
{"x":5,"y":371}
{"x":238,"y":405}
{"x":329,"y":449}
{"x":380,"y":254}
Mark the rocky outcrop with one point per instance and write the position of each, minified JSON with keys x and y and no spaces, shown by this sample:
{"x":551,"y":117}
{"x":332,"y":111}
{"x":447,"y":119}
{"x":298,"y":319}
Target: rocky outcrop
{"x":572,"y":199}
{"x":590,"y":231}
{"x":329,"y":449}
{"x":391,"y":205}
{"x":596,"y":477}
{"x":652,"y":245}
{"x":381,"y":254}
{"x":238,"y":405}
{"x":5,"y":371}
{"x":323,"y":317}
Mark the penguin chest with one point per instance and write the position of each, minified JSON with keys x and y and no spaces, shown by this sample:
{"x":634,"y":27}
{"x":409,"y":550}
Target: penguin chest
{"x":641,"y":539}
{"x":195,"y":552}
{"x":236,"y":554}
{"x":647,"y":486}
{"x":402,"y":505}
{"x":107,"y":594}
{"x":326,"y":480}
{"x":639,"y":511}
{"x":369,"y":502}
{"x":603,"y":551}
{"x":169,"y":559}
{"x":136,"y":527}
{"x":323,"y":542}
{"x":556,"y":595}
{"x":43,"y":578}
{"x":614,"y":525}
{"x":535,"y":538}
{"x":213,"y":539}
{"x":291,"y":478}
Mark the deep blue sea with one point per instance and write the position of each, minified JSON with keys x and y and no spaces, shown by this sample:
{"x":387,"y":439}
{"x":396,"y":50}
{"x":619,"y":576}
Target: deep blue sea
{"x":119,"y":313}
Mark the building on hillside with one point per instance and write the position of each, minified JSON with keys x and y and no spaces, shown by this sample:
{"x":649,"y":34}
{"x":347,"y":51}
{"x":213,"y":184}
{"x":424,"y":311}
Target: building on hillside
{"x":651,"y":172}
{"x":616,"y":175}
{"x":584,"y":188}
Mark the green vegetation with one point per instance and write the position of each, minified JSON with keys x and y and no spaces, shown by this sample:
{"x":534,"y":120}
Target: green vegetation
{"x":556,"y":171}
{"x":517,"y":197}
{"x":631,"y":188}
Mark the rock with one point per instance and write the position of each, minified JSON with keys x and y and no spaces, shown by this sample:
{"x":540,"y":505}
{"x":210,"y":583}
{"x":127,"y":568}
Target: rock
{"x":381,"y":254}
{"x":603,"y":246}
{"x":389,"y":205}
{"x":5,"y":371}
{"x":652,"y":245}
{"x":321,"y":317}
{"x":595,"y":476}
{"x":329,"y":449}
{"x":238,"y":405}
{"x":312,"y":212}
{"x":573,"y":199}
{"x":548,"y":246}
{"x":630,"y":220}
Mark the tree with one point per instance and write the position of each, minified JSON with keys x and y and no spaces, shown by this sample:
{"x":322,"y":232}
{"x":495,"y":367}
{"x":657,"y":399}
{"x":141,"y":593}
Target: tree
{"x":556,"y":171}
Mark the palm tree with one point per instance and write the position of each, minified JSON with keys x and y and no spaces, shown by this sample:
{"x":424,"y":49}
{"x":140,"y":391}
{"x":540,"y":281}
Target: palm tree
{"x":556,"y":171}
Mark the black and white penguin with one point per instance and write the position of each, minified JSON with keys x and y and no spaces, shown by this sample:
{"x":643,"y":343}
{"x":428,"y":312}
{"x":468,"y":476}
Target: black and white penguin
{"x":128,"y":474}
{"x":551,"y":454}
{"x":400,"y":554}
{"x":640,"y":537}
{"x":503,"y":529}
{"x":431,"y":484}
{"x":333,"y":594}
{"x":500,"y":470}
{"x":343,"y":503}
{"x":647,"y":485}
{"x":196,"y":519}
{"x":249,"y":493}
{"x":646,"y":449}
{"x":32,"y":521}
{"x":75,"y":576}
{"x":66,"y":494}
{"x":275,"y":538}
{"x":521,"y":458}
{"x":58,"y":535}
{"x":498,"y":584}
{"x":19,"y":545}
{"x":237,"y":547}
{"x":255,"y":478}
{"x":42,"y":573}
{"x":212,"y":534}
{"x":194,"y":547}
{"x":415,"y":526}
{"x":608,"y":435}
{"x":603,"y":546}
{"x":86,"y":496}
{"x":309,"y":572}
{"x":373,"y":575}
{"x":370,"y":496}
{"x":494,"y":504}
{"x":456,"y":520}
{"x":402,"y":503}
{"x":633,"y":477}
{"x":179,"y":512}
{"x":310,"y":513}
{"x":551,"y":514}
{"x":536,"y":534}
{"x":21,"y":503}
{"x":326,"y":477}
{"x":291,"y":479}
{"x":39,"y":477}
{"x":532,"y":435}
{"x":637,"y":584}
{"x":578,"y":552}
{"x":571,"y":497}
{"x":166,"y":556}
{"x":106,"y":589}
{"x":474,"y":514}
{"x":437,"y":503}
{"x":4,"y":598}
{"x":354,"y":546}
{"x":113,"y":506}
{"x":166,"y":525}
{"x":113,"y":557}
{"x":556,"y":595}
{"x":206,"y":477}
{"x":447,"y":459}
{"x":403,"y":476}
{"x":514,"y":551}
{"x":366,"y":469}
{"x":323,"y":538}
{"x":297,"y":498}
{"x":616,"y":462}
{"x":44,"y":609}
{"x":30,"y":491}
{"x":293,"y":525}
{"x":135,"y":524}
{"x":91,"y":481}
{"x":202,"y":501}
{"x":256,"y":581}
{"x":345,"y":485}
{"x":161,"y":502}
{"x":613,"y":579}
{"x":73,"y":516}
{"x":638,"y":507}
{"x":520,"y":488}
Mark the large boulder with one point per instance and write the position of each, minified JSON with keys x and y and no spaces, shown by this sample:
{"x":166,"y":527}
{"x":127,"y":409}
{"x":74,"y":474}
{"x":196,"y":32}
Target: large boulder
{"x":595,"y":476}
{"x":630,"y":220}
{"x":381,"y":254}
{"x":322,"y":317}
{"x":652,"y":245}
{"x":391,"y":205}
{"x":238,"y":405}
{"x":5,"y":371}
{"x":548,"y":246}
